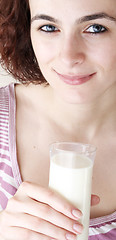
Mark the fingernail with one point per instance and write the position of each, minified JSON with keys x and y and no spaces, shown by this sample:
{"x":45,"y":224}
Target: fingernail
{"x":78,"y":228}
{"x":77,"y":213}
{"x":70,"y":236}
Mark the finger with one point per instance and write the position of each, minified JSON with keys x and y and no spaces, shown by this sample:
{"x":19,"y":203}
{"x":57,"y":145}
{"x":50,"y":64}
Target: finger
{"x":47,"y":213}
{"x":95,"y":200}
{"x":40,"y":226}
{"x":42,"y":211}
{"x":17,"y":233}
{"x":51,"y":198}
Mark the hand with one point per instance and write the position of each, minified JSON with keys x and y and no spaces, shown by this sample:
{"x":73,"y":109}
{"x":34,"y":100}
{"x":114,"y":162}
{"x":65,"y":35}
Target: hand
{"x":94,"y":200}
{"x":38,"y":213}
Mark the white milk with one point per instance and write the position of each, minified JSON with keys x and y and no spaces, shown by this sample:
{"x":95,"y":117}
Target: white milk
{"x":73,"y":182}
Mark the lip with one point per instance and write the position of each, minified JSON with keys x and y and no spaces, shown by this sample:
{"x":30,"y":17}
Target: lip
{"x":75,"y":79}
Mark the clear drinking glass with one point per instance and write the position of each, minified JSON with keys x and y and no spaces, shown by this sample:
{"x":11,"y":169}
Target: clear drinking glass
{"x":71,"y":166}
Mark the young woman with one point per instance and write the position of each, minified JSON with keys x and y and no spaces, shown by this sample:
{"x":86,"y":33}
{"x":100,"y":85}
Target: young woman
{"x":64,"y":53}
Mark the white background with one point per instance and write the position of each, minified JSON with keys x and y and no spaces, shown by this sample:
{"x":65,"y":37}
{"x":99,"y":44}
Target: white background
{"x":5,"y":78}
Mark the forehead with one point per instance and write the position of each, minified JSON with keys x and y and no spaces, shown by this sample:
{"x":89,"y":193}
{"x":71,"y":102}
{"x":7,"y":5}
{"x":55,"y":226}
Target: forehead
{"x":66,"y":4}
{"x":72,"y":7}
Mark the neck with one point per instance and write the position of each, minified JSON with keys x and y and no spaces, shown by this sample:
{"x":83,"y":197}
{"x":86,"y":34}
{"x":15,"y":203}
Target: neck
{"x":87,"y":119}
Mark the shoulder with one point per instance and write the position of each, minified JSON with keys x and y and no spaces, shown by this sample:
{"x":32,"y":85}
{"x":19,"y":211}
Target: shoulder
{"x":4,"y":99}
{"x":7,"y":102}
{"x":5,"y":94}
{"x":31,"y":94}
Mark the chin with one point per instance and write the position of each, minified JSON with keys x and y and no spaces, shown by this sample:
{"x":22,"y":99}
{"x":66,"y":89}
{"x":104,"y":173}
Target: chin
{"x":74,"y":99}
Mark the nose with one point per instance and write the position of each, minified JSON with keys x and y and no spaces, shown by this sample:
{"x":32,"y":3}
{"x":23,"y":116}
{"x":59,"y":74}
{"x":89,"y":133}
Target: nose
{"x":72,"y":51}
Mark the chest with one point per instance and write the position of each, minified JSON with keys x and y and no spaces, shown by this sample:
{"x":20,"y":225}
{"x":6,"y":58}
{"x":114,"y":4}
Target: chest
{"x":33,"y":158}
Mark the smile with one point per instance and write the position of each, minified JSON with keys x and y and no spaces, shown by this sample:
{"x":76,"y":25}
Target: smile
{"x":75,"y":80}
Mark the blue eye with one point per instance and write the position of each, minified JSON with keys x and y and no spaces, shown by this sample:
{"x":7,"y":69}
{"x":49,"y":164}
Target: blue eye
{"x":48,"y":28}
{"x":96,"y":28}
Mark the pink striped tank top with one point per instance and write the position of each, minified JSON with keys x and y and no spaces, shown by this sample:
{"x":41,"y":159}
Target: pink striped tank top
{"x":102,"y":228}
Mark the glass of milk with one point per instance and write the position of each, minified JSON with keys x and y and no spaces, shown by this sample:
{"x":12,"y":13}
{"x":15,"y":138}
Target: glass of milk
{"x":71,"y":166}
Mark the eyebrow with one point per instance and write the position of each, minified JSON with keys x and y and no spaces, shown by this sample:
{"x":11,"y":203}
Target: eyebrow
{"x":87,"y":18}
{"x":97,"y":16}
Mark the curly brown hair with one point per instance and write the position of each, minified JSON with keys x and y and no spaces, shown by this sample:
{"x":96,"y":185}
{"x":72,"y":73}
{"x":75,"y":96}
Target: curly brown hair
{"x":16,"y":52}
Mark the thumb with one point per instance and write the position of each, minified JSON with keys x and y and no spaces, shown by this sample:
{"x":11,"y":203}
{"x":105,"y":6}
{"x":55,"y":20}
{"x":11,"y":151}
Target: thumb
{"x":94,"y":200}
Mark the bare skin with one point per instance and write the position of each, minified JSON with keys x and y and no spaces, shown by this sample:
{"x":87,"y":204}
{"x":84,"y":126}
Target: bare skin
{"x":104,"y":170}
{"x":36,"y":212}
{"x":64,"y":112}
{"x":31,"y":213}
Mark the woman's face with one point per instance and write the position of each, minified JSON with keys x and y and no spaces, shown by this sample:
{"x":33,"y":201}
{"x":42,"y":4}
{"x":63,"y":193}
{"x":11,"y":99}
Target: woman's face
{"x":75,"y":45}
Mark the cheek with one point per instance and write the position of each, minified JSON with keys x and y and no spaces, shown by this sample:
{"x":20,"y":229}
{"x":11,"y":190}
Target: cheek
{"x":105,"y":56}
{"x":44,"y":51}
{"x":110,"y":58}
{"x":44,"y":54}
